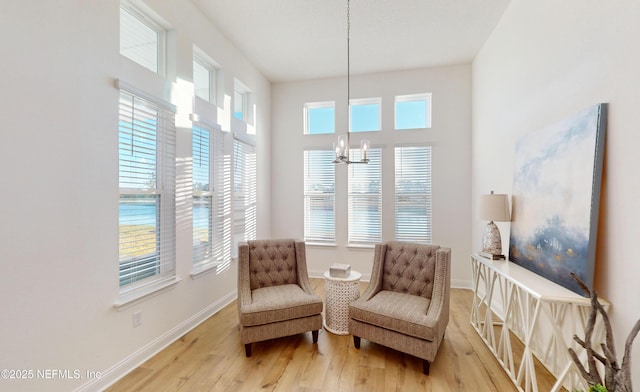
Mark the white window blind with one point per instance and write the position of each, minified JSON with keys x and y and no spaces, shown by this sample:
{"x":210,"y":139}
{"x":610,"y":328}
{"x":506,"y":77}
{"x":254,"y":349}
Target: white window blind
{"x":141,"y":39}
{"x":211,"y":198}
{"x":202,"y":195}
{"x":365,"y":198}
{"x":244,"y":192}
{"x":319,"y":196}
{"x":413,"y":194}
{"x":146,"y":136}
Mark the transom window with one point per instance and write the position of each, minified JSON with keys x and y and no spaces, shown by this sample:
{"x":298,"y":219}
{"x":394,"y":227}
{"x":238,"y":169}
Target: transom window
{"x":319,"y":118}
{"x":241,"y":95}
{"x":204,"y":77}
{"x":413,"y":111}
{"x":364,"y":115}
{"x":141,"y":39}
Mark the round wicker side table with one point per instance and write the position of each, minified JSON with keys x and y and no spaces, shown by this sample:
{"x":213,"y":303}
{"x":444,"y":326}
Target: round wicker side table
{"x":339,"y":293}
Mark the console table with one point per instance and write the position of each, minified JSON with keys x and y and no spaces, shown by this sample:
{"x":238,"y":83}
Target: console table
{"x":542,"y":314}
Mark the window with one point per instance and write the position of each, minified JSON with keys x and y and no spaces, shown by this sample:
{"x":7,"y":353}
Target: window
{"x":244,"y":192}
{"x":146,"y":138}
{"x":413,"y":111}
{"x":141,"y":39}
{"x":241,"y":101}
{"x":364,"y":115}
{"x":413,"y":194}
{"x":202,"y":196}
{"x":203,"y":81}
{"x":211,"y":199}
{"x":204,"y":76}
{"x":319,"y":196}
{"x":238,"y":104}
{"x":319,"y":118}
{"x":365,"y":198}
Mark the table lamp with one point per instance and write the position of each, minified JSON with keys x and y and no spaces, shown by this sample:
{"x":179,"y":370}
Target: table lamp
{"x":493,"y":207}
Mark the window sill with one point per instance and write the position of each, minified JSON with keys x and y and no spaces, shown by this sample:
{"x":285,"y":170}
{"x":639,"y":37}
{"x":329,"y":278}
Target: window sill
{"x":361,"y":246}
{"x":205,"y":268}
{"x":321,"y":244}
{"x":137,"y":296}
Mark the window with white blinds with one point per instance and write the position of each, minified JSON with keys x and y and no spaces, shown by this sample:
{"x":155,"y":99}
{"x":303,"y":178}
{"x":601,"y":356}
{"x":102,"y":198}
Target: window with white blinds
{"x":319,"y":196}
{"x":413,"y":194}
{"x":365,"y":198}
{"x":141,"y":39}
{"x":147,"y":142}
{"x":244,"y":192}
{"x":202,"y":209}
{"x":211,"y":199}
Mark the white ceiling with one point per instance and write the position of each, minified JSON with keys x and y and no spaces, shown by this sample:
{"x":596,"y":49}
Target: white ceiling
{"x":307,"y":39}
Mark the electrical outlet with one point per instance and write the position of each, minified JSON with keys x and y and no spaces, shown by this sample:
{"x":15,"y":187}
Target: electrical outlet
{"x":137,"y":319}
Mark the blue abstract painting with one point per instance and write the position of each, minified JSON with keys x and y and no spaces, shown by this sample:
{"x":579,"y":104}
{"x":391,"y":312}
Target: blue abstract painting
{"x":556,"y":197}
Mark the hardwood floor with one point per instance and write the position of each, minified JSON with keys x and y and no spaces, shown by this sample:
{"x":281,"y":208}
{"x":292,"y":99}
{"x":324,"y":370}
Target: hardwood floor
{"x":211,"y":358}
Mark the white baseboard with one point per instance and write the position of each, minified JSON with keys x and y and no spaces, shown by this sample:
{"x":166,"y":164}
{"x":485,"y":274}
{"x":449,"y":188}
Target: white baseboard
{"x":461,"y":284}
{"x":122,"y":368}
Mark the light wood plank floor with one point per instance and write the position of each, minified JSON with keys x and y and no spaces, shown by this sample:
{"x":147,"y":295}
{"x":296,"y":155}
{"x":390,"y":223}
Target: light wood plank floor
{"x":211,"y":358}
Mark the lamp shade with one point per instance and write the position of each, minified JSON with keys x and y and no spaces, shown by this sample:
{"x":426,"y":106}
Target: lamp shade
{"x":494,"y":207}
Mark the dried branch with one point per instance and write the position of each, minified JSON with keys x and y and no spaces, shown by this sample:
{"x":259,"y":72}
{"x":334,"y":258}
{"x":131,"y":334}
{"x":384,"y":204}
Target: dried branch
{"x":617,"y":378}
{"x":623,"y":377}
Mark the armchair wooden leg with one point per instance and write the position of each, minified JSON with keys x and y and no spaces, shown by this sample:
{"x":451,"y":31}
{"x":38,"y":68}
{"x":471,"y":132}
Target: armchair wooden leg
{"x":425,"y":366}
{"x":247,"y":350}
{"x":315,"y":336}
{"x":356,"y":341}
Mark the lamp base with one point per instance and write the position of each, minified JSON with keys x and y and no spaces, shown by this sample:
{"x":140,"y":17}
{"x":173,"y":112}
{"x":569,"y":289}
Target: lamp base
{"x":491,"y":256}
{"x":491,"y":240}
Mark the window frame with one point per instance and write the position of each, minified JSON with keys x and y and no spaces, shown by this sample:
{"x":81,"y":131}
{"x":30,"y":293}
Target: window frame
{"x":310,"y":106}
{"x":241,"y":89}
{"x":199,"y":132}
{"x":245,"y":187}
{"x":366,"y":102}
{"x":414,"y":199}
{"x":213,"y":69}
{"x":220,"y":191}
{"x":163,"y":186}
{"x":355,"y":236}
{"x":427,"y":97}
{"x":145,"y":18}
{"x":312,"y":234}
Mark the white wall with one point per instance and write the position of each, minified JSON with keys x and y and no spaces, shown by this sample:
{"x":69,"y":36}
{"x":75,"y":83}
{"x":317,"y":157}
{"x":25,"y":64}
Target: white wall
{"x":545,"y":61}
{"x":59,"y":199}
{"x":449,"y":136}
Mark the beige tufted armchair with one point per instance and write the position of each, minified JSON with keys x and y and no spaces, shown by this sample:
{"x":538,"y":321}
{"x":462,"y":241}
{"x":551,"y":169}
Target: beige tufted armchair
{"x":406,"y":305}
{"x":275,"y":298}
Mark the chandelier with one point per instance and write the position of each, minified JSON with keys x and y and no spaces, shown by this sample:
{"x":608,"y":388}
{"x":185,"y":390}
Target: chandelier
{"x":341,"y":146}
